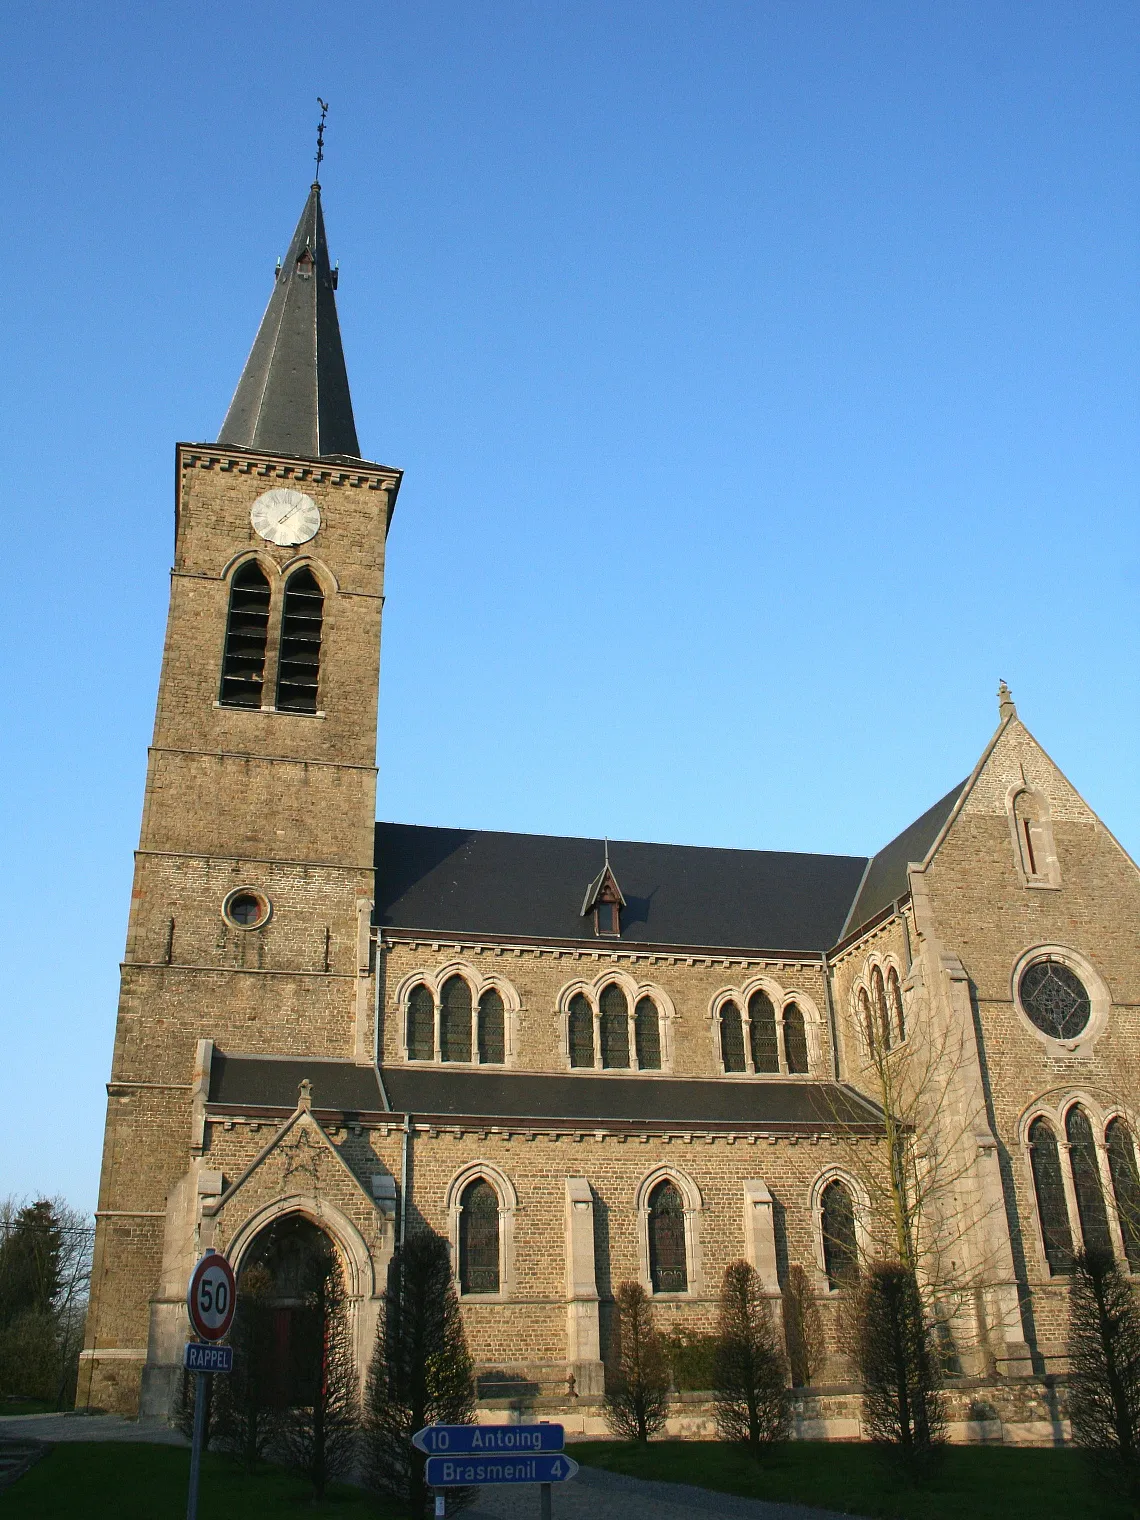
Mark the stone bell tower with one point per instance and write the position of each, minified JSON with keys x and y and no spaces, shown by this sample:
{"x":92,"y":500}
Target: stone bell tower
{"x":250,"y":914}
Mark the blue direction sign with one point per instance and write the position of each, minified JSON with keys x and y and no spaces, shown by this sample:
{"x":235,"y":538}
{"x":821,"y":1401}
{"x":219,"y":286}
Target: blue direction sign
{"x":479,"y":1471}
{"x":199,"y":1357}
{"x":458,"y":1440}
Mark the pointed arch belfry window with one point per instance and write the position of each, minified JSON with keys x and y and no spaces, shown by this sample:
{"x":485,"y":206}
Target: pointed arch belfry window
{"x":302,"y":621}
{"x":243,"y":663}
{"x":1049,"y":1186}
{"x":1086,"y":1181}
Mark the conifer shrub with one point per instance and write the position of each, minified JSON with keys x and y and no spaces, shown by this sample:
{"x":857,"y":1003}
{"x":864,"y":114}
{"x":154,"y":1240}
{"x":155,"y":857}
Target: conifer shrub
{"x":637,"y":1393}
{"x":421,"y":1373}
{"x":1104,"y":1369}
{"x":803,"y":1329}
{"x":320,"y":1431}
{"x":750,"y":1377}
{"x":903,"y":1408}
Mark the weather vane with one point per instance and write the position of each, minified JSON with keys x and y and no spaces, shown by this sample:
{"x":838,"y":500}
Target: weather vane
{"x":324,"y":105}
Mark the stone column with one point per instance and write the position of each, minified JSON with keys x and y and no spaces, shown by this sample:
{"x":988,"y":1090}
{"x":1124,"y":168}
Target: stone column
{"x":583,"y":1334}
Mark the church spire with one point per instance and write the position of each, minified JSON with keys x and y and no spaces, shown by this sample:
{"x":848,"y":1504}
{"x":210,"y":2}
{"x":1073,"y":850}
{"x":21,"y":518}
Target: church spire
{"x":293,"y":395}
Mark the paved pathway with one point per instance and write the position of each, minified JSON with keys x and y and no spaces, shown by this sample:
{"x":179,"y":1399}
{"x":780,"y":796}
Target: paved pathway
{"x":593,"y":1495}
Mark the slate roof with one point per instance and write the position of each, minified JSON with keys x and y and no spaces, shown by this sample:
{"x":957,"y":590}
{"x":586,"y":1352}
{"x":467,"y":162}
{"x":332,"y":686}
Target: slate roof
{"x":886,"y":880}
{"x":530,"y":885}
{"x":293,"y":395}
{"x":245,"y":1083}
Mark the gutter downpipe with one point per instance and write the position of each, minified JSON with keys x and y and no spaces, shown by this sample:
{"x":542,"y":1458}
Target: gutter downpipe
{"x":831,"y":1024}
{"x":405,"y":1173}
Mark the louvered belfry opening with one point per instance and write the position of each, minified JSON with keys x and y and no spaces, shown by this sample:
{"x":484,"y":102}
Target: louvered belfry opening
{"x":300,"y":659}
{"x":243,"y":664}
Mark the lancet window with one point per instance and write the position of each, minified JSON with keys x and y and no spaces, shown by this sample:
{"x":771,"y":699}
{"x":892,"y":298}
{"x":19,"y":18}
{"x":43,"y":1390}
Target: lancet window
{"x":837,"y":1229}
{"x":449,"y":1025}
{"x":1049,"y":1186}
{"x":762,"y":1030}
{"x":299,"y":663}
{"x":1121,"y":1148}
{"x":479,"y":1268}
{"x":764,"y":1039}
{"x":247,"y":628}
{"x":668,"y":1267}
{"x":1086,"y":1181}
{"x":614,"y":1026}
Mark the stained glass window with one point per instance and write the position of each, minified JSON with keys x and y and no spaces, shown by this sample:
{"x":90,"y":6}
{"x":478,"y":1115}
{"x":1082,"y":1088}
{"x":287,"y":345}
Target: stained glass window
{"x":1126,"y":1186}
{"x":795,"y":1040}
{"x":732,"y":1038}
{"x":455,"y":1020}
{"x":1055,"y":999}
{"x":1086,"y":1182}
{"x":614,"y":1021}
{"x":762,"y":1015}
{"x":647,"y":1034}
{"x":581,"y":1031}
{"x":1052,"y":1210}
{"x":492,"y":1032}
{"x":479,"y":1238}
{"x":668,"y":1269}
{"x":421,"y":1024}
{"x":243,"y":664}
{"x":837,"y":1223}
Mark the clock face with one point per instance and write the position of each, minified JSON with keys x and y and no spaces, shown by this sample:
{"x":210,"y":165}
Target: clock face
{"x":285,"y":517}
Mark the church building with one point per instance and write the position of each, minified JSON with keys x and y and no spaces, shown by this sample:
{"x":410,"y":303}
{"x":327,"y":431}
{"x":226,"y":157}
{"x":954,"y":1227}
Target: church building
{"x":581,"y":1062}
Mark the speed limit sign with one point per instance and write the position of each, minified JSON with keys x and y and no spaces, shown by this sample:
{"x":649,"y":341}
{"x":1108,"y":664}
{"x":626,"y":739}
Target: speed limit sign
{"x":210,"y":1296}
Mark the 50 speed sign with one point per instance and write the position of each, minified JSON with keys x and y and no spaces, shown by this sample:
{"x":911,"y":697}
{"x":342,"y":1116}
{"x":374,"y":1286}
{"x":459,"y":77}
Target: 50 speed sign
{"x":210,"y":1296}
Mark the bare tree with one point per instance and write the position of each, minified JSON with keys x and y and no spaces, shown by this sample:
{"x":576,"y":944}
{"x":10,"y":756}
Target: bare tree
{"x":1104,"y":1367}
{"x":638,"y":1398}
{"x":249,"y":1417}
{"x":751,"y":1383}
{"x":321,"y":1432}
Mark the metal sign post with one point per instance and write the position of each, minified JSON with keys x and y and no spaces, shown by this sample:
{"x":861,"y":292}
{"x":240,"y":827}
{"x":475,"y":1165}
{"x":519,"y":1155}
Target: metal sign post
{"x":210,"y":1300}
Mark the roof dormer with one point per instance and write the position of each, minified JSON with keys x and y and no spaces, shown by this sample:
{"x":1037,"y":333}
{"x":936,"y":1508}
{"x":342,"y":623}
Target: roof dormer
{"x":605,"y":901}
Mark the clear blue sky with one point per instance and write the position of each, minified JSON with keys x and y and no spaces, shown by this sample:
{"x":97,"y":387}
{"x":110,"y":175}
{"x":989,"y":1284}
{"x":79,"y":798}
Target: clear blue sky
{"x":764,"y":375}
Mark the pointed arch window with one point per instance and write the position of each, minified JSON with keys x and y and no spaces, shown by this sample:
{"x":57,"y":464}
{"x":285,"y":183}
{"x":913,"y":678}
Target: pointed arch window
{"x":762,"y":1023}
{"x":613,"y":1021}
{"x":492,"y":1028}
{"x":1049,"y":1187}
{"x":1086,"y":1181}
{"x":479,"y":1238}
{"x":1122,"y":1169}
{"x":881,"y":1010}
{"x":795,"y":1041}
{"x":247,"y":626}
{"x":732,"y":1038}
{"x":301,"y":623}
{"x":1033,"y":832}
{"x":668,"y":1267}
{"x":867,"y":1022}
{"x":647,"y":1034}
{"x":581,"y":1031}
{"x":837,"y":1228}
{"x":421,"y":1024}
{"x":455,"y":1020}
{"x":894,"y":998}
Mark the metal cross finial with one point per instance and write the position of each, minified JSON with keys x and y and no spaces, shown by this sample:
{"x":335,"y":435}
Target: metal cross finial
{"x":324,"y":105}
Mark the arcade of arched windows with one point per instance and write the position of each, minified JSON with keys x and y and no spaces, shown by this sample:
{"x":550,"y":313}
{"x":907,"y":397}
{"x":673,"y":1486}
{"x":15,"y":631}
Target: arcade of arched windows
{"x":878,"y":1006}
{"x":761,"y":1030}
{"x":455,"y":1015}
{"x":1083,"y":1168}
{"x":615,"y":1024}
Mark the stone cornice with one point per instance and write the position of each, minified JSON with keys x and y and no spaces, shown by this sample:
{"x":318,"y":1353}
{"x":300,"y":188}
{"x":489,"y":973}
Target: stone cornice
{"x":611,"y":952}
{"x":362,"y":474}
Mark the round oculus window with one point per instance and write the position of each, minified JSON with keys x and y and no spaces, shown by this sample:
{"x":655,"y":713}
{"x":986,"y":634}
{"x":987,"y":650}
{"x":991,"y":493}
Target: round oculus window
{"x":1055,"y":999}
{"x":245,"y":909}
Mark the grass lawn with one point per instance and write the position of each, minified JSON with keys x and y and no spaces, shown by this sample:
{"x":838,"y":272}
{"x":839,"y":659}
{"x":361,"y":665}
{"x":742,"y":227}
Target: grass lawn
{"x":100,"y":1480}
{"x":975,"y":1483}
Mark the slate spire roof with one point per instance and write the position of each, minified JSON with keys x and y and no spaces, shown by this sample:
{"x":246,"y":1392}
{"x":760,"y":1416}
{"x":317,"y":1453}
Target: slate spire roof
{"x":293,"y":395}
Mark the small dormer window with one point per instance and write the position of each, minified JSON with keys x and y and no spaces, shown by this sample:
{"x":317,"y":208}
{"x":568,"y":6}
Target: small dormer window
{"x":604,"y":901}
{"x":305,"y":265}
{"x":607,"y":918}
